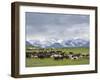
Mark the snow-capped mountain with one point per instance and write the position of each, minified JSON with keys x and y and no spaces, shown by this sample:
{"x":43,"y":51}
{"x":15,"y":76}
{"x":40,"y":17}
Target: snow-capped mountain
{"x":55,"y":45}
{"x":35,"y":42}
{"x":76,"y":43}
{"x":28,"y":43}
{"x":60,"y":43}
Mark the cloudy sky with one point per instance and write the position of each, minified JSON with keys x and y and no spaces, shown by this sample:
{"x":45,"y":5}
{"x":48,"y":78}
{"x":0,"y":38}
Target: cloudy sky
{"x":43,"y":26}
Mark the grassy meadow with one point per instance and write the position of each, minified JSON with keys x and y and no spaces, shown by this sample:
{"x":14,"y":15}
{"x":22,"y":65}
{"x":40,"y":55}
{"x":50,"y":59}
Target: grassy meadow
{"x":36,"y":62}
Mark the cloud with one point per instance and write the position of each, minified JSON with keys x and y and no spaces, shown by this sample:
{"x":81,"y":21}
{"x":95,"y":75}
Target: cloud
{"x":45,"y":26}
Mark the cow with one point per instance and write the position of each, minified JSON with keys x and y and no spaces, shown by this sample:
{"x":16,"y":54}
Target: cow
{"x":57,"y":57}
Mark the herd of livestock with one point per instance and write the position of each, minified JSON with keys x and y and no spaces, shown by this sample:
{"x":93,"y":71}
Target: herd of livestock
{"x":56,"y":55}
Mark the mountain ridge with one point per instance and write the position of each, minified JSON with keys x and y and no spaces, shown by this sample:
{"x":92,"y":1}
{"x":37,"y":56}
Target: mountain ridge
{"x":60,"y":43}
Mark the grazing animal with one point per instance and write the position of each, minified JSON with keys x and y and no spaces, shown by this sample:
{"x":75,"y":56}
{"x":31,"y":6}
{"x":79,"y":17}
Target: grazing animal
{"x":29,"y":55}
{"x":76,"y":56}
{"x":41,"y":55}
{"x":57,"y":57}
{"x":66,"y":56}
{"x":71,"y":55}
{"x":35,"y":56}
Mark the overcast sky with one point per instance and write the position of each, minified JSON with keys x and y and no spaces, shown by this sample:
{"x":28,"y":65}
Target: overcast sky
{"x":43,"y":26}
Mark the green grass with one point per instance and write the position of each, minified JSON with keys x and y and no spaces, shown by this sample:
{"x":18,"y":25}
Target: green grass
{"x":66,"y":50}
{"x":31,"y":62}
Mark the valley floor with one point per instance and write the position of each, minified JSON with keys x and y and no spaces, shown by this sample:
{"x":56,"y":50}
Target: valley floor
{"x":37,"y":62}
{"x":31,"y":62}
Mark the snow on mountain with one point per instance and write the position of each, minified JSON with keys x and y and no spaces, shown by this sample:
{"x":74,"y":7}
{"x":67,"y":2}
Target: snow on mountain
{"x":55,"y":45}
{"x":35,"y":43}
{"x":52,"y":43}
{"x":76,"y":43}
{"x":28,"y":43}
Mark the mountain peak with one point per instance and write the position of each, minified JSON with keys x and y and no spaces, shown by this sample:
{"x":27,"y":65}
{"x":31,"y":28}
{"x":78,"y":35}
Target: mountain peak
{"x":60,"y":43}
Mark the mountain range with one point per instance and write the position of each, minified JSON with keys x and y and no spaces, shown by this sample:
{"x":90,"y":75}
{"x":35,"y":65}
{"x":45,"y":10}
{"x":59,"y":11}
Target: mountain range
{"x":59,"y":43}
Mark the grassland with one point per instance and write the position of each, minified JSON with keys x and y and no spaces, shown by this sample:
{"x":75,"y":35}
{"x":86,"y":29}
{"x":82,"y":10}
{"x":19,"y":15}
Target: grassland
{"x":50,"y":62}
{"x":32,"y":62}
